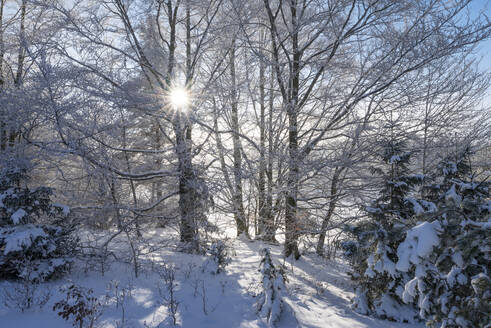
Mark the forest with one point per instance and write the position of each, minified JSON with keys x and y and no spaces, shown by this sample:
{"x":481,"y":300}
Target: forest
{"x":245,"y":163}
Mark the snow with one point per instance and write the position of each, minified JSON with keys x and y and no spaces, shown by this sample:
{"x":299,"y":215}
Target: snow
{"x":482,"y":225}
{"x":360,"y":302}
{"x":410,"y":290}
{"x":270,"y":303}
{"x":449,"y":168}
{"x":486,"y":206}
{"x":394,"y":158}
{"x":429,"y":206}
{"x":417,"y":208}
{"x":457,"y":259}
{"x":391,"y":308}
{"x":451,"y":196}
{"x":398,"y":184}
{"x":452,"y":275}
{"x":18,"y":215}
{"x":20,"y":237}
{"x":64,"y":209}
{"x":4,"y":194}
{"x":373,"y":210}
{"x":383,"y":264}
{"x":461,"y":279}
{"x":209,"y":300}
{"x":418,"y":244}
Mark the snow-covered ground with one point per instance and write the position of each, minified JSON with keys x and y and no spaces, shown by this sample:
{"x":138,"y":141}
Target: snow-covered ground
{"x":318,"y":293}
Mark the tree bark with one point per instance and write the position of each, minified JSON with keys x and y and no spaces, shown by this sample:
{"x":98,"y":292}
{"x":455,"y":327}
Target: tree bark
{"x":332,"y":206}
{"x":269,"y":228}
{"x":239,"y":213}
{"x":3,"y":125}
{"x":291,"y":224}
{"x":262,"y":202}
{"x":188,"y":196}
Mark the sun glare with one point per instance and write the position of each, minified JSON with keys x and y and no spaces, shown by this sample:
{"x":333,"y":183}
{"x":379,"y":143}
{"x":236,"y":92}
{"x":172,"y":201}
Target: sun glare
{"x":179,"y":98}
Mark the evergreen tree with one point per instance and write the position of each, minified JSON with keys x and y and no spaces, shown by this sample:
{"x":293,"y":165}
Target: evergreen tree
{"x":373,"y":251}
{"x":448,"y":259}
{"x":426,"y":256}
{"x":270,"y":303}
{"x":35,"y":238}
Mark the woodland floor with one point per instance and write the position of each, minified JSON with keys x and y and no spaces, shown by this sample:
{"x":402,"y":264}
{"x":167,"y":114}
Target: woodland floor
{"x":318,"y":293}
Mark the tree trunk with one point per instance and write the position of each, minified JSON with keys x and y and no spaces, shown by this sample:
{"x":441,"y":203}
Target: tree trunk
{"x":188,"y":229}
{"x":266,"y":218}
{"x":157,"y":185}
{"x":239,"y":213}
{"x":21,"y":55}
{"x":3,"y":116}
{"x":132,"y":183}
{"x":188,"y":196}
{"x":2,"y":45}
{"x":269,"y":227}
{"x":291,"y":224}
{"x":332,"y":206}
{"x":262,"y":204}
{"x":9,"y":131}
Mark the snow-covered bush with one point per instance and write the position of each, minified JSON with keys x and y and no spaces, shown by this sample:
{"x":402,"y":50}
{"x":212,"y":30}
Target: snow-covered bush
{"x":167,"y":288}
{"x":118,"y":295}
{"x":270,"y":302}
{"x":79,"y":306}
{"x":219,"y":257}
{"x":25,"y":295}
{"x":35,"y":240}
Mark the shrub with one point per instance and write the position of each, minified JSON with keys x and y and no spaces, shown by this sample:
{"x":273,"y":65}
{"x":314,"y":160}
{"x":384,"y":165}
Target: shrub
{"x":80,"y":306}
{"x":219,"y":257}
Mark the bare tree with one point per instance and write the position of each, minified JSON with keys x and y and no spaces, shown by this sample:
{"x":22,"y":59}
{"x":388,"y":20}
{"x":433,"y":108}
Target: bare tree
{"x":315,"y":40}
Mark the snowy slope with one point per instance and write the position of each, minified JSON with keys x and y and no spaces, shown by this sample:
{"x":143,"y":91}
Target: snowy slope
{"x":318,"y":294}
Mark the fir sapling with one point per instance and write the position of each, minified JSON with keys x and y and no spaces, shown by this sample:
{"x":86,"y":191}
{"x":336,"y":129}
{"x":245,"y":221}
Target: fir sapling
{"x":219,"y":257}
{"x":35,"y":234}
{"x":270,"y":304}
{"x":448,"y":259}
{"x":372,"y":249}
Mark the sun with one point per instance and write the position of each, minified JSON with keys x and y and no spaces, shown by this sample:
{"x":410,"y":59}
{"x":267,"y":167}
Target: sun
{"x":179,"y":98}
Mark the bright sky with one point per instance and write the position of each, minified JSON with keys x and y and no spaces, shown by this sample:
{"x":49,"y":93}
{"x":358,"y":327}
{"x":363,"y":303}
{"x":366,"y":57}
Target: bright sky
{"x":484,"y":49}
